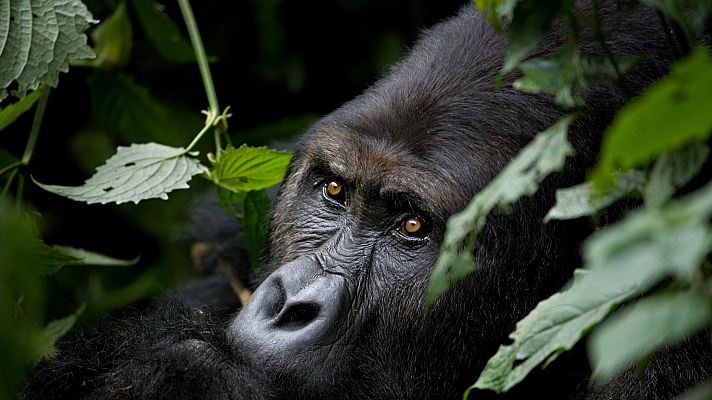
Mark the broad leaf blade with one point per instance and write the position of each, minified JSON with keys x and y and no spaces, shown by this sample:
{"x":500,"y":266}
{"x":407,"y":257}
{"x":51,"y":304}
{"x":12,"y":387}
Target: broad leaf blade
{"x":582,"y":200}
{"x":670,"y":114}
{"x":250,"y":168}
{"x":672,"y":171}
{"x":660,"y":320}
{"x":622,"y":261}
{"x":135,"y":173}
{"x":255,"y":213}
{"x":38,"y":39}
{"x":521,"y":177}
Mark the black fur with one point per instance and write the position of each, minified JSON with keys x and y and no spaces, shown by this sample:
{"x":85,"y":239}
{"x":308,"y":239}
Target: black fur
{"x":436,"y":123}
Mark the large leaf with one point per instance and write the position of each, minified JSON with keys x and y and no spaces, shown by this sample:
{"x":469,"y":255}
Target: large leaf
{"x":670,"y":114}
{"x":135,"y":173}
{"x":651,"y":323}
{"x":38,"y":39}
{"x":11,"y":112}
{"x":163,"y":33}
{"x":544,"y":155}
{"x":622,"y":261}
{"x":250,"y":168}
{"x":531,"y":20}
{"x":113,"y":39}
{"x":254,"y":209}
{"x":581,"y":200}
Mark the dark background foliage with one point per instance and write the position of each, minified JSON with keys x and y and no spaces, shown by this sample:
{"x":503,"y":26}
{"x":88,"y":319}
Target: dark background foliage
{"x":280,"y":65}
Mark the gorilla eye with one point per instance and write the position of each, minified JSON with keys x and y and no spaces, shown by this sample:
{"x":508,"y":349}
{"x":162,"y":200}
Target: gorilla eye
{"x":413,"y":227}
{"x":335,"y":189}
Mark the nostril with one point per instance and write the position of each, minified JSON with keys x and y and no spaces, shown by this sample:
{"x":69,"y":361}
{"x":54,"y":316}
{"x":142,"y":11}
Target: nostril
{"x":297,"y":316}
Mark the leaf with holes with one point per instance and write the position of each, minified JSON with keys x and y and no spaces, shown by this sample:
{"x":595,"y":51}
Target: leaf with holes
{"x":38,"y":39}
{"x":135,"y":173}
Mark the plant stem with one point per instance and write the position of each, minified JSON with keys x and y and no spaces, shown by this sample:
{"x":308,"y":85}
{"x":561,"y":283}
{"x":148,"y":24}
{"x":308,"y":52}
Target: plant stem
{"x":11,"y":167}
{"x":202,"y":59}
{"x":208,"y":124}
{"x":36,"y":125}
{"x":8,"y":183}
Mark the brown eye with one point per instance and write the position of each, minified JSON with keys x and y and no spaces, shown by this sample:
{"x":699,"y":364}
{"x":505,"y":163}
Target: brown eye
{"x":335,"y":190}
{"x":413,"y":227}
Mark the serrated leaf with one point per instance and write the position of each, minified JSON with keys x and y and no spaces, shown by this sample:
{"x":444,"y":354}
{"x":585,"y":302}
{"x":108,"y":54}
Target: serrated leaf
{"x":122,"y":106}
{"x":568,"y":74}
{"x":85,"y":257}
{"x":582,"y":200}
{"x":47,"y":338}
{"x":12,"y":111}
{"x":622,"y":261}
{"x":544,"y":155}
{"x":645,"y":326}
{"x":134,"y":173}
{"x":38,"y":39}
{"x":250,"y":168}
{"x":672,"y":171}
{"x":163,"y":32}
{"x":672,"y":113}
{"x":113,"y":39}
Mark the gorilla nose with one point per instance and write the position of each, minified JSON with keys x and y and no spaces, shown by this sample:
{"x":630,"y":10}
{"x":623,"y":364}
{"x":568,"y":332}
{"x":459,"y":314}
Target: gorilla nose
{"x":295,"y":308}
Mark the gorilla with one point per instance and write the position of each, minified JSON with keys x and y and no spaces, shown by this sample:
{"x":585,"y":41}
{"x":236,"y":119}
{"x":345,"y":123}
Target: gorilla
{"x":355,"y":232}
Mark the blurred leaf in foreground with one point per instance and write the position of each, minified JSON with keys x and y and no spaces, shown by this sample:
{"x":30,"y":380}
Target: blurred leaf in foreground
{"x":521,"y":177}
{"x":672,"y":113}
{"x":622,"y":261}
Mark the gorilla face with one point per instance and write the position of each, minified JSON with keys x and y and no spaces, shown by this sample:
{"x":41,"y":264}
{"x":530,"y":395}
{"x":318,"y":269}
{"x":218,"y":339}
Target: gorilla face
{"x":358,"y":224}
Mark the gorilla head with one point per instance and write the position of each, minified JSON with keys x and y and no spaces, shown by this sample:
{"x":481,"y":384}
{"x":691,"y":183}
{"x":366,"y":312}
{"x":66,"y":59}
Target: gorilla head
{"x":356,"y":231}
{"x":359,"y":221}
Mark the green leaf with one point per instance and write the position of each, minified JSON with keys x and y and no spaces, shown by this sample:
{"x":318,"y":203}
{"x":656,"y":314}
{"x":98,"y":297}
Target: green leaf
{"x":651,"y":323}
{"x":255,"y":214}
{"x":12,"y":111}
{"x":670,"y":114}
{"x":531,"y":20}
{"x":85,"y":257}
{"x":497,"y":10}
{"x":250,"y":168}
{"x":672,"y":171}
{"x":622,"y":261}
{"x":113,"y":39}
{"x":135,"y":173}
{"x":544,"y":155}
{"x":47,"y":338}
{"x":568,"y":74}
{"x":38,"y":39}
{"x":254,"y":206}
{"x":163,"y":32}
{"x":122,"y":106}
{"x":582,"y":200}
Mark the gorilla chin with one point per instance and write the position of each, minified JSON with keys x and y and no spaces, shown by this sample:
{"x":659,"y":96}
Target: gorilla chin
{"x":355,"y":233}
